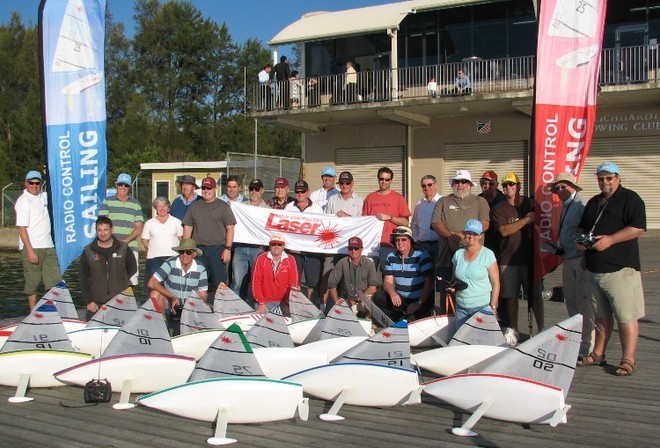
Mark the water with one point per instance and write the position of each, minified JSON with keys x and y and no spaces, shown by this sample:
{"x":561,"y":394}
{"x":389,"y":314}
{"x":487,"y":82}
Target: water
{"x":13,"y":302}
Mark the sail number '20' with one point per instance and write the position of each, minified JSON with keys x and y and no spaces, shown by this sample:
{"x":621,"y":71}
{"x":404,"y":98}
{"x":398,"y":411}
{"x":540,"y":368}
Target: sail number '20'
{"x":547,"y":361}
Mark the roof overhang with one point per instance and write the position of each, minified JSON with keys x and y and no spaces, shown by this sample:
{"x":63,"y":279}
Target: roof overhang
{"x":185,"y":166}
{"x":323,"y":25}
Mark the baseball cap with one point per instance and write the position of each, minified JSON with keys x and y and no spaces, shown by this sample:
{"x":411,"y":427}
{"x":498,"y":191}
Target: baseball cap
{"x":567,"y":178}
{"x":188,"y":179}
{"x":124,"y":178}
{"x":345,"y":176}
{"x":33,"y":175}
{"x":510,"y":177}
{"x":461,"y":175}
{"x":489,"y":175}
{"x":209,"y":182}
{"x":355,"y":242}
{"x":301,"y":185}
{"x":277,"y":238}
{"x":608,"y":166}
{"x":328,"y":171}
{"x":256,"y":183}
{"x":281,"y":182}
{"x":402,"y":231}
{"x":474,"y":226}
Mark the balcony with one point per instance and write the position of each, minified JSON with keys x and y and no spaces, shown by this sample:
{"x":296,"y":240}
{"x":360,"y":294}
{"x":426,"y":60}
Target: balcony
{"x":622,"y":69}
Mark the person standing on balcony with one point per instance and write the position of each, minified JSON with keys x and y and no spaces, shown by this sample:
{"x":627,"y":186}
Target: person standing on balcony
{"x":281,"y":74}
{"x":295,"y":86}
{"x":351,"y":83}
{"x":265,"y":101}
{"x":462,"y":84}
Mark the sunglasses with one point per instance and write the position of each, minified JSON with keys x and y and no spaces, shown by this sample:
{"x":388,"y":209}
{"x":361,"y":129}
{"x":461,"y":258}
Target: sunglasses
{"x":254,"y":188}
{"x":277,"y":244}
{"x":559,"y":187}
{"x":507,"y":184}
{"x":462,"y":181}
{"x":34,"y":183}
{"x":400,"y":239}
{"x":605,"y":178}
{"x":345,"y":183}
{"x":486,"y":182}
{"x":207,"y":188}
{"x":301,"y":191}
{"x":385,"y":179}
{"x":123,"y":185}
{"x":427,"y":185}
{"x":354,"y":248}
{"x":187,"y":252}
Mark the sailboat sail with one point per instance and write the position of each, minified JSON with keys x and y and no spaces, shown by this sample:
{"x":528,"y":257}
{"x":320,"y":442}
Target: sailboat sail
{"x":270,"y":331}
{"x":377,"y":315}
{"x":145,"y":332}
{"x":230,"y":355}
{"x":42,"y":330}
{"x":61,"y":297}
{"x":341,"y":321}
{"x":227,"y":303}
{"x":74,"y":51}
{"x":390,"y":347}
{"x":116,"y":312}
{"x":481,"y":328}
{"x":198,"y":315}
{"x":301,"y":308}
{"x":549,"y":357}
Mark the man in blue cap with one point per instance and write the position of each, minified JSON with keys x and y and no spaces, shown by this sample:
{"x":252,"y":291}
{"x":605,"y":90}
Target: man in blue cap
{"x":126,"y":215}
{"x":329,"y":189}
{"x":611,"y":224}
{"x":35,"y":241}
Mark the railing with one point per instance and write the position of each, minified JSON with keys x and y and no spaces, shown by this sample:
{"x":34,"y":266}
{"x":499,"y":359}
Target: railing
{"x":619,"y":66}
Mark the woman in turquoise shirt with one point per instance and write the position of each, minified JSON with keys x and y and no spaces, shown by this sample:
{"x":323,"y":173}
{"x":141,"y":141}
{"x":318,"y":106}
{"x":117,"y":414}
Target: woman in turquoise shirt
{"x":475,"y":265}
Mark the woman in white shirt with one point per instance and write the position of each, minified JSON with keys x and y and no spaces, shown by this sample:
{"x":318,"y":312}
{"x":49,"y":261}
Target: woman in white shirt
{"x":159,"y":235}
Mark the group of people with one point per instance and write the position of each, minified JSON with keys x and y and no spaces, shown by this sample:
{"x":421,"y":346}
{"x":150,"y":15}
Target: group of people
{"x":480,"y":241}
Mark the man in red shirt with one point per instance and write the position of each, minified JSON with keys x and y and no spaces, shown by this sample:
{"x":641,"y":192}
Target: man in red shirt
{"x":275,"y":273}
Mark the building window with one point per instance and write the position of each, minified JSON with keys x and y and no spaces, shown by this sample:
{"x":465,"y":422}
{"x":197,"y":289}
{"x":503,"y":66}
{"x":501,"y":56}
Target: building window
{"x":163,"y":189}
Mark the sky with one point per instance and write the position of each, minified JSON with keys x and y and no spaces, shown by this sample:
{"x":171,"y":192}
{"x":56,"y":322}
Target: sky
{"x":260,"y":19}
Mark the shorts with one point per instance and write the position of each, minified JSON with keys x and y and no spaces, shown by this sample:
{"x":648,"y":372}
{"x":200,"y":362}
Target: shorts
{"x":48,"y":270}
{"x":618,"y":293}
{"x":512,"y":277}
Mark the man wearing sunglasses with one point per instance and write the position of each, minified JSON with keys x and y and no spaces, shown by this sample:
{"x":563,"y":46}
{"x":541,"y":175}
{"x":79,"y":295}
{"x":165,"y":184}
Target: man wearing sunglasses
{"x":450,"y":215}
{"x":275,"y":274}
{"x":493,"y":196}
{"x":425,"y":236}
{"x":210,"y":222}
{"x":35,"y":241}
{"x":180,"y":276}
{"x":126,"y":215}
{"x":353,"y":275}
{"x":616,"y":218}
{"x":513,"y":220}
{"x":321,"y":196}
{"x":577,"y":296}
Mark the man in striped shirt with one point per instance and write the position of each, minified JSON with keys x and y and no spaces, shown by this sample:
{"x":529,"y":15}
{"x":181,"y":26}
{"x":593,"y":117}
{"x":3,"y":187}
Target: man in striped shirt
{"x":408,"y":277}
{"x":126,"y":215}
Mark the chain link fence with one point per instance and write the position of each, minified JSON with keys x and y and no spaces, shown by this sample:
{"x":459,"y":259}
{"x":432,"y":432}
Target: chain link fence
{"x":266,"y":168}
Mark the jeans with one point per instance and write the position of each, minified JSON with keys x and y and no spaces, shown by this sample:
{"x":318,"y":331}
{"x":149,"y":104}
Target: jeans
{"x":242,"y":264}
{"x":212,"y":259}
{"x":150,"y":269}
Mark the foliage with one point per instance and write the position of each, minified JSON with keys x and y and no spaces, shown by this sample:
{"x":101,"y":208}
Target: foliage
{"x":174,"y":92}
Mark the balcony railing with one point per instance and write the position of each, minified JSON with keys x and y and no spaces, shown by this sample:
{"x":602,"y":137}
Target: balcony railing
{"x":620,"y":66}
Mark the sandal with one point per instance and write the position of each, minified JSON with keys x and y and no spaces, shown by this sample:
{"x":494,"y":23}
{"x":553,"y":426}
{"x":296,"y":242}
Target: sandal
{"x":593,"y":359}
{"x":626,"y":368}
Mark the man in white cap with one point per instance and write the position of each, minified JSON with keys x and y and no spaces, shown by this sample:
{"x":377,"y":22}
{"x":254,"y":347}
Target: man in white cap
{"x":126,"y":215}
{"x":450,"y":215}
{"x":321,"y":196}
{"x":613,"y":221}
{"x":275,"y":274}
{"x":35,"y":241}
{"x":574,"y":276}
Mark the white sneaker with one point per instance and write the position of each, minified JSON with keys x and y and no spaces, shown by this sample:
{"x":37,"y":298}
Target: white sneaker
{"x":511,"y":337}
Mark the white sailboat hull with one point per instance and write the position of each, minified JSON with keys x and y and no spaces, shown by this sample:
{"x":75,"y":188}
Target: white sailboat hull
{"x":93,"y":340}
{"x":452,"y":360}
{"x":333,"y":347}
{"x":69,"y":325}
{"x":196,"y":343}
{"x":423,"y":332}
{"x":278,"y":362}
{"x":40,"y":365}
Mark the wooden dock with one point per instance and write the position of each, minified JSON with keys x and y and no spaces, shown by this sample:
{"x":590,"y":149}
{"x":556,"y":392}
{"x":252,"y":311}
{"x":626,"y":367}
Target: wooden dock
{"x":607,"y":411}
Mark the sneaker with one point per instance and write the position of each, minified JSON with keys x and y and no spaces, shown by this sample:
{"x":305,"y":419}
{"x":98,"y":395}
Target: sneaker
{"x":511,"y":336}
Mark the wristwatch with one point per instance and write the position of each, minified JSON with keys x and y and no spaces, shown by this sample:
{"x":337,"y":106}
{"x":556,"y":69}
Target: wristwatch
{"x":228,"y":247}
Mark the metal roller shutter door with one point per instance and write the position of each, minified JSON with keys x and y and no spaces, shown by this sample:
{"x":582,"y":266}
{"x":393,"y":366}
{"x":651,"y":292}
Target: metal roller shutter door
{"x":501,"y":157}
{"x":637,"y":158}
{"x":364,"y":163}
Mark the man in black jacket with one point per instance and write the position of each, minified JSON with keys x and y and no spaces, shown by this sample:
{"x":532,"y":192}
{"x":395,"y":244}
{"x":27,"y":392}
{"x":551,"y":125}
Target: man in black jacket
{"x":106,"y":267}
{"x":281,"y":74}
